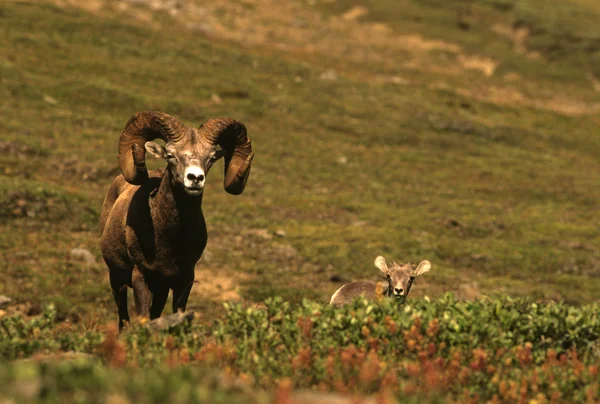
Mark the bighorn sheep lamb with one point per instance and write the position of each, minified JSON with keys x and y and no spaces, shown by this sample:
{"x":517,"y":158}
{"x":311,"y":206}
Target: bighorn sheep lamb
{"x":399,"y":277}
{"x":153,"y":230}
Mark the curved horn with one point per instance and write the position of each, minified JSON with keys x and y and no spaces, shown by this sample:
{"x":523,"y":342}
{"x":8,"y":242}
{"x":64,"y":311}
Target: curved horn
{"x":232,"y":137}
{"x":141,"y":128}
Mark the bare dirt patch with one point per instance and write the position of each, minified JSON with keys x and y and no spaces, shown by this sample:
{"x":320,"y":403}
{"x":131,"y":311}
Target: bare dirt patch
{"x":485,"y":65}
{"x":355,"y":13}
{"x":218,"y":284}
{"x":510,"y":96}
{"x":518,"y":36}
{"x":292,"y":26}
{"x":595,"y":82}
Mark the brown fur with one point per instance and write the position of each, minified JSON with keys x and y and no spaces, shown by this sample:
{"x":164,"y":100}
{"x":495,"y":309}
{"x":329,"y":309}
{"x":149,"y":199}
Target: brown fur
{"x":153,"y":229}
{"x":152,"y":237}
{"x":400,"y":278}
{"x":351,"y":291}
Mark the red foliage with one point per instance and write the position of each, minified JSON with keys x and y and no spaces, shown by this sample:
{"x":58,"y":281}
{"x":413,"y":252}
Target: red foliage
{"x":524,"y":354}
{"x":282,"y":393}
{"x":213,"y":353}
{"x":303,"y":359}
{"x":112,"y":349}
{"x":479,"y":359}
{"x":370,"y":368}
{"x":432,"y":328}
{"x":390,"y":325}
{"x":305,"y":324}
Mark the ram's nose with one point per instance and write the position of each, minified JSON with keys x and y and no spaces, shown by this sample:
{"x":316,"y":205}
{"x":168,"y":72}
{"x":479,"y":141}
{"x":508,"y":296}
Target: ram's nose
{"x":194,"y":179}
{"x":399,"y":291}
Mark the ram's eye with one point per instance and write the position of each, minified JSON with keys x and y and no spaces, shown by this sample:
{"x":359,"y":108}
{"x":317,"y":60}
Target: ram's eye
{"x":170,"y":157}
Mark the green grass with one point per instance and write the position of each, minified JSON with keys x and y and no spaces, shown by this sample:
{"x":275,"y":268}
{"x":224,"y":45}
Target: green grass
{"x":499,"y":193}
{"x":565,"y":33}
{"x":520,"y":182}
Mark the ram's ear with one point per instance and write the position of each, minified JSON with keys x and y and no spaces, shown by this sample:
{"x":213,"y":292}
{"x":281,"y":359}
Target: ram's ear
{"x":423,"y":267}
{"x":380,"y":263}
{"x":155,"y":149}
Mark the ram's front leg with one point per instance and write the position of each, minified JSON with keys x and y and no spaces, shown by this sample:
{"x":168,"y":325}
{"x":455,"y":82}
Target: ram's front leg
{"x":181,"y":291}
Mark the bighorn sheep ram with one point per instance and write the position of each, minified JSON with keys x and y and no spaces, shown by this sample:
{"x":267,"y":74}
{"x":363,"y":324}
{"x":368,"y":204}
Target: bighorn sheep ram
{"x":399,"y":277}
{"x":153,"y":230}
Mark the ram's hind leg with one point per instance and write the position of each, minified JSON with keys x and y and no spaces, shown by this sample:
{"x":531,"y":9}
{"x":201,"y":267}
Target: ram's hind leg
{"x":141,"y":293}
{"x":120,"y":296}
{"x":118,"y":284}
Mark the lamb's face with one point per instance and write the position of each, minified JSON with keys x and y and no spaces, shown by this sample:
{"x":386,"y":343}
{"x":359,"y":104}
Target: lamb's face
{"x":189,"y":161}
{"x":400,"y":278}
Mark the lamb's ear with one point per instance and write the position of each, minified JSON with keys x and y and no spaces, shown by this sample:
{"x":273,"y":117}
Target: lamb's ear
{"x":423,"y":267}
{"x":380,"y":263}
{"x":155,"y":149}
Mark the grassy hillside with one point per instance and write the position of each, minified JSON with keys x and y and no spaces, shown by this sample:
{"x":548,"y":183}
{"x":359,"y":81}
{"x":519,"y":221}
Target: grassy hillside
{"x":566,"y":34}
{"x":503,"y":195}
{"x":465,"y":133}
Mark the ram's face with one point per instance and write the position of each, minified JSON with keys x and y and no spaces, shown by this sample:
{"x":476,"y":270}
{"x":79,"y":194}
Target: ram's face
{"x":189,"y":161}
